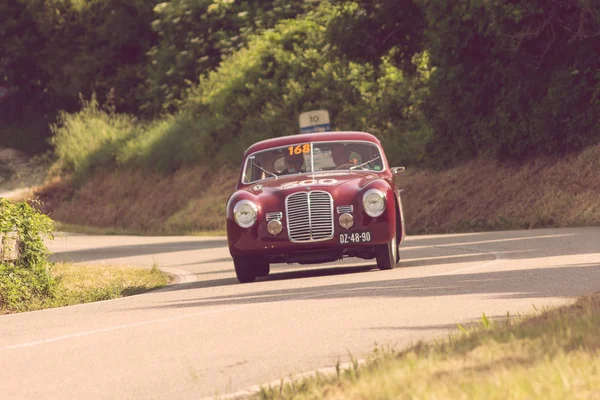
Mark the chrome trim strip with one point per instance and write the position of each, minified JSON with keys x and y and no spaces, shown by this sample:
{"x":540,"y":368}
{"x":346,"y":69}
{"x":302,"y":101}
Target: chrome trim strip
{"x":345,"y":209}
{"x":274,"y":215}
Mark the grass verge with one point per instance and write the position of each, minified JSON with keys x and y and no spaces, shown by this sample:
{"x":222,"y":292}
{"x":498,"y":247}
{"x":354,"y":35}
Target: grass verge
{"x":80,"y":284}
{"x":553,"y":355}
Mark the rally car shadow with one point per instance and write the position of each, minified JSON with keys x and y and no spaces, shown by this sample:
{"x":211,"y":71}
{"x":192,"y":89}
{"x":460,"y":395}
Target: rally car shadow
{"x":276,"y":276}
{"x":313,"y":272}
{"x":134,"y":250}
{"x":559,"y":281}
{"x":297,"y":271}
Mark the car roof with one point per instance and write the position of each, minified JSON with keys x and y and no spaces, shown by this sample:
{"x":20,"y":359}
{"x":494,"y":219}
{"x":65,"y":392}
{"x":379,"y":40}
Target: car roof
{"x":311,"y":137}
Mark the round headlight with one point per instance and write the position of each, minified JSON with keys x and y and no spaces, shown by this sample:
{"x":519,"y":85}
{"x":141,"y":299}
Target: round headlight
{"x":346,"y":221}
{"x":244,"y":213}
{"x":274,"y":227}
{"x":374,"y":202}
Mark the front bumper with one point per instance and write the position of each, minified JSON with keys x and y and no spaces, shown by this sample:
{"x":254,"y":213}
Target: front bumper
{"x":256,"y":241}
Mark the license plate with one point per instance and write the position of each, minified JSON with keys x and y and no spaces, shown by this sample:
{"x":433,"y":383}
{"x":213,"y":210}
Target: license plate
{"x":358,"y":237}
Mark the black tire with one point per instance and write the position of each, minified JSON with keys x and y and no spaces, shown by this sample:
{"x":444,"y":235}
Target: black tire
{"x":262,"y":268}
{"x":244,"y":269}
{"x":387,"y":254}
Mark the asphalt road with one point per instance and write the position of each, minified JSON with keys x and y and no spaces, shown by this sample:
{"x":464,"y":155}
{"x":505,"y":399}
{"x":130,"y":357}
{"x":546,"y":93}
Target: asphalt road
{"x":210,"y":335}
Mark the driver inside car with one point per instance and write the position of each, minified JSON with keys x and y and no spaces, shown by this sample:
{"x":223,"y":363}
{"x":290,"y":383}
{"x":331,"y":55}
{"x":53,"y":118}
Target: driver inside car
{"x":293,"y":164}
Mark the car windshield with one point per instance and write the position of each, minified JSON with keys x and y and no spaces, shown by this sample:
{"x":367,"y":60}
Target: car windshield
{"x":312,"y":157}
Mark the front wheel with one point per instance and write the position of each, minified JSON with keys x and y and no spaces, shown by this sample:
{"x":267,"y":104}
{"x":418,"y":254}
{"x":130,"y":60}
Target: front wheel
{"x":244,"y":269}
{"x":262,"y":267}
{"x":387,"y":254}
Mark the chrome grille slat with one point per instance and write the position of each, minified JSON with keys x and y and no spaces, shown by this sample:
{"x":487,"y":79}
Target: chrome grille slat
{"x":309,"y":216}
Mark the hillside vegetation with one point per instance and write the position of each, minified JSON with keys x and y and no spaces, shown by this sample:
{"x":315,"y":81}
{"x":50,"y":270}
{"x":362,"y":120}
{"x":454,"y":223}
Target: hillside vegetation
{"x":154,"y":90}
{"x":440,"y":82}
{"x":476,"y":196}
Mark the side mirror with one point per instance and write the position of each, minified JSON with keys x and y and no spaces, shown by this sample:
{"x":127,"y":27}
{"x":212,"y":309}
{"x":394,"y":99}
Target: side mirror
{"x":397,"y":170}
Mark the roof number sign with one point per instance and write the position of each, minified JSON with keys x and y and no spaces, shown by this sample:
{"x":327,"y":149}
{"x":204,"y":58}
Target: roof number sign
{"x":315,"y":121}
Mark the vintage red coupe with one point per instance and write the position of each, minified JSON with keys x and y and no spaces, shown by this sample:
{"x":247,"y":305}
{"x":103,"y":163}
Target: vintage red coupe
{"x":314,"y":198}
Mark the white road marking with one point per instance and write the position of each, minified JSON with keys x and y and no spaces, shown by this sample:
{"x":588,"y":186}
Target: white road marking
{"x":408,"y":245}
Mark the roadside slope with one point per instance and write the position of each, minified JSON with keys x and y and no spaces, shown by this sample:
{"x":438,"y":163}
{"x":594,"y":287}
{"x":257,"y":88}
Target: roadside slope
{"x":477,"y":196}
{"x":19,"y":172}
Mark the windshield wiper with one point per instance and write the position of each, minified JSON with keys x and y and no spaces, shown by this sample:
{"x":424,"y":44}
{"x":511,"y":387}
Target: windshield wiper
{"x":264,"y":170}
{"x":365,"y":163}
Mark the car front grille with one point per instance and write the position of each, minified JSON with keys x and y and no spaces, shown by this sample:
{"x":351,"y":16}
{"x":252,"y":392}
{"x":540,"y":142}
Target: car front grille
{"x":309,"y":216}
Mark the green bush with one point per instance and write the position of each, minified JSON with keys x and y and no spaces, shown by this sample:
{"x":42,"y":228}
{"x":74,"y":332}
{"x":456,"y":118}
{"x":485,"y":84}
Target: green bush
{"x":259,"y":91}
{"x":91,"y":137}
{"x":27,"y":278}
{"x":438,"y":82}
{"x":256,"y":94}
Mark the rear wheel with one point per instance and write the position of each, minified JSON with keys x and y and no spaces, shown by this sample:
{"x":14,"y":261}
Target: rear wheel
{"x":244,"y":269}
{"x":387,"y":254}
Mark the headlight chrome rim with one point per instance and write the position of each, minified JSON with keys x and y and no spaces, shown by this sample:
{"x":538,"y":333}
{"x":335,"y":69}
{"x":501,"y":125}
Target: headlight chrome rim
{"x":248,"y":207}
{"x":372,"y":209}
{"x":346,"y":221}
{"x":274,"y":227}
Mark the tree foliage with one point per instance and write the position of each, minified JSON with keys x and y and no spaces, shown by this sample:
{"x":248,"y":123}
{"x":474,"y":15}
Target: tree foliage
{"x":367,"y":30}
{"x":440,"y":81}
{"x":512,"y":79}
{"x":194,"y":37}
{"x":51,"y":51}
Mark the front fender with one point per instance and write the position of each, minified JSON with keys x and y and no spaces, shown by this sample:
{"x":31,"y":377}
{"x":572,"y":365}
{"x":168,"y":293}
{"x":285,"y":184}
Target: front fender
{"x":389,"y":215}
{"x":234,"y":231}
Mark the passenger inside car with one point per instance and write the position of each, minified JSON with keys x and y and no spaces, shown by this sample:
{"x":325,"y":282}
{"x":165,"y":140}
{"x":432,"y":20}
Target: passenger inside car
{"x":340,"y":155}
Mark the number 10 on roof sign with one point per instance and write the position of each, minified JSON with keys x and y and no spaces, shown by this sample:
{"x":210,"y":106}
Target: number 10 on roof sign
{"x":315,"y":121}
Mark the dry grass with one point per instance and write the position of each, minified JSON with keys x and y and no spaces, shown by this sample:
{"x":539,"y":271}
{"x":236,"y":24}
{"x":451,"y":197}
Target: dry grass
{"x":489,"y":196}
{"x":480,"y":195}
{"x":141,"y":202}
{"x":551,"y":356}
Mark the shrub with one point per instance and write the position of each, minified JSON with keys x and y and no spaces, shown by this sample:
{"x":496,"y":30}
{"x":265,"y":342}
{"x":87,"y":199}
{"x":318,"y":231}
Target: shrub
{"x":27,"y":278}
{"x":259,"y":91}
{"x":91,"y":137}
{"x":256,"y":94}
